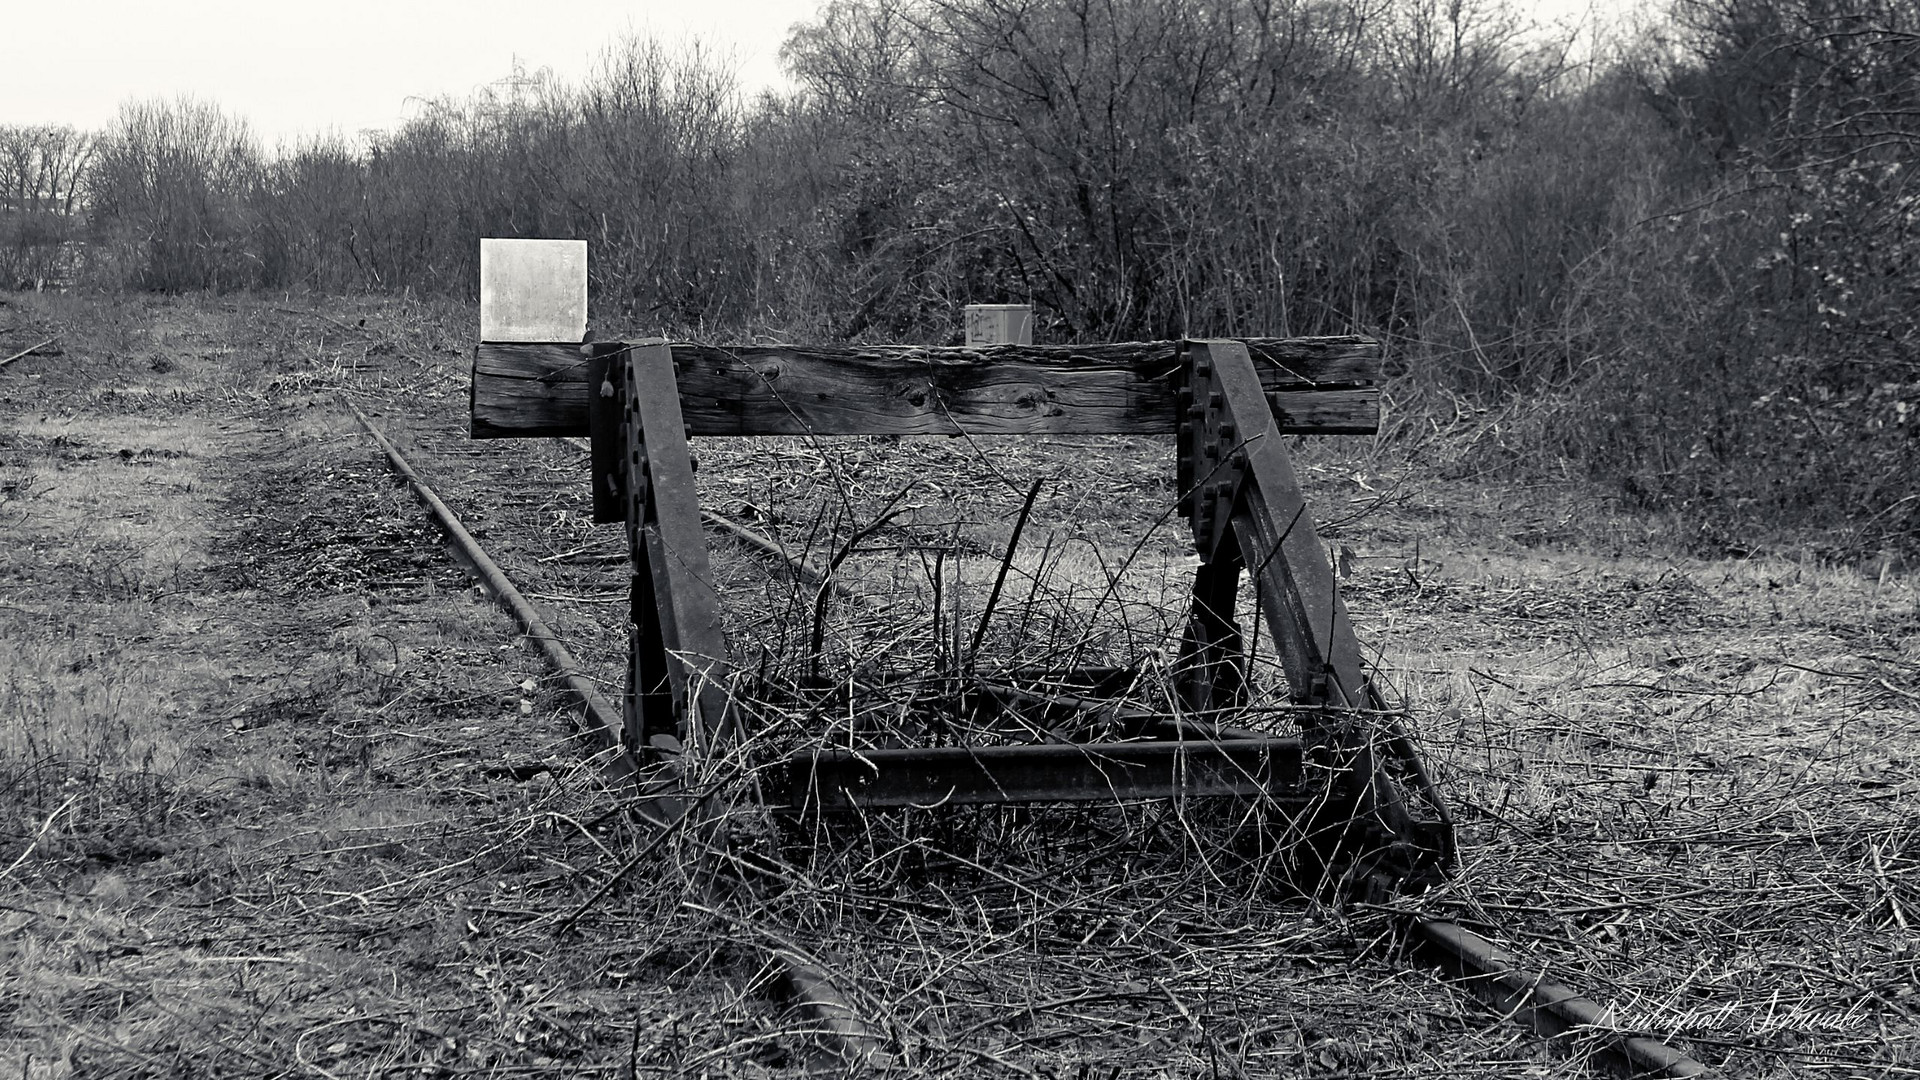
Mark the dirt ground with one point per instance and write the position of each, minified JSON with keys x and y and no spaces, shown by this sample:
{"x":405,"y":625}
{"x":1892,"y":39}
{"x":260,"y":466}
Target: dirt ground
{"x":282,"y":794}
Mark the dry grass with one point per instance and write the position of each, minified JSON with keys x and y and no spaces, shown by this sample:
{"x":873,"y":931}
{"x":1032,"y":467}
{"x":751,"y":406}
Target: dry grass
{"x":283,"y":798}
{"x":279,"y":795}
{"x":1684,"y":783}
{"x":1690,"y":787}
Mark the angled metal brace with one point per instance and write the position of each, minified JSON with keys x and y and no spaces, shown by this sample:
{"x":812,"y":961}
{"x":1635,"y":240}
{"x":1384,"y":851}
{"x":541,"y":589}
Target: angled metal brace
{"x":1251,"y":513}
{"x":643,"y":475}
{"x":1247,"y":512}
{"x":840,"y":781}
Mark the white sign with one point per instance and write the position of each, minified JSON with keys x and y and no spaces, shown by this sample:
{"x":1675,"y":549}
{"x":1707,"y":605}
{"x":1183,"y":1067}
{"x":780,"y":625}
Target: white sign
{"x":533,"y":290}
{"x":999,"y":324}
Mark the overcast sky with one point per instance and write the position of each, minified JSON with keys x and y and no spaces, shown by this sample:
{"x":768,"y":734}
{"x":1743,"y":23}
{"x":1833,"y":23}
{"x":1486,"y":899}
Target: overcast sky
{"x":300,"y":68}
{"x":294,"y":69}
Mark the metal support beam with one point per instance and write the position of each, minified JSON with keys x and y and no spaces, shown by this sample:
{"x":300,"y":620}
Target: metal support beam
{"x":1248,"y":488}
{"x":1212,"y":662}
{"x":606,"y":418}
{"x":678,"y":684}
{"x":843,"y":780}
{"x":1247,"y":511}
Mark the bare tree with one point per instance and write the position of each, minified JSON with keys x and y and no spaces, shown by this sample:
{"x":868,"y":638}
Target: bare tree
{"x":42,"y":173}
{"x":170,"y":194}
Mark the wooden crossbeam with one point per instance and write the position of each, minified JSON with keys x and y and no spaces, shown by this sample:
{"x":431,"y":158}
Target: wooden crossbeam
{"x":1313,"y":386}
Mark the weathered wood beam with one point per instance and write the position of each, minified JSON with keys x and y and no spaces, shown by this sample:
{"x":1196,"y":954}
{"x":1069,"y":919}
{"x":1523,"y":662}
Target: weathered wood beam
{"x":1323,"y":386}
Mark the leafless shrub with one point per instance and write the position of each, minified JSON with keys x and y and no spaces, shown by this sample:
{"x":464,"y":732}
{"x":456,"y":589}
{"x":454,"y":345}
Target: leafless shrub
{"x":170,"y":193}
{"x":1679,"y":259}
{"x":42,"y":173}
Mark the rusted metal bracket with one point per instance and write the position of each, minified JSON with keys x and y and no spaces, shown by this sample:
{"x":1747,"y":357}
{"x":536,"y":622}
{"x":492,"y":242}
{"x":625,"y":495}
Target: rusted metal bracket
{"x":606,"y":415}
{"x":1247,"y":512}
{"x":643,"y":476}
{"x":831,"y":781}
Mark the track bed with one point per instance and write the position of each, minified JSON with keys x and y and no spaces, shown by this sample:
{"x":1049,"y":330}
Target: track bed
{"x":337,"y":833}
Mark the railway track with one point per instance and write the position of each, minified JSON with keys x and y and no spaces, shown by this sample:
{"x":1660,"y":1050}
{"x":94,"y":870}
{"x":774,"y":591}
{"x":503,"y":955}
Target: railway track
{"x":571,"y":573}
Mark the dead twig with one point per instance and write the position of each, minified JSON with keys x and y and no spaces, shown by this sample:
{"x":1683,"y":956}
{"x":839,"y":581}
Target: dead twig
{"x":29,"y":350}
{"x":38,"y":836}
{"x":888,"y":512}
{"x":1000,"y":579}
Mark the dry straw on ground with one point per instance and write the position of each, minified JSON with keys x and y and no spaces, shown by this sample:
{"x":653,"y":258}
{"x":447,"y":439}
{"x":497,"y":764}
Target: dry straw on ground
{"x":281,"y":796}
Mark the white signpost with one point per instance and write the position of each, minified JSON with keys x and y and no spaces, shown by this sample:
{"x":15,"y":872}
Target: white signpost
{"x":999,"y":324}
{"x":533,"y":290}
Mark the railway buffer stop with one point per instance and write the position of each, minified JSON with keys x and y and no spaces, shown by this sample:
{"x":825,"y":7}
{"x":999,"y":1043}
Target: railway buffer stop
{"x":1348,"y":785}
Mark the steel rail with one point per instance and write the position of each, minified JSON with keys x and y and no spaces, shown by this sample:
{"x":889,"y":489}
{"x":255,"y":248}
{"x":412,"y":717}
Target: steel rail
{"x":602,"y":717}
{"x":1550,"y":1009}
{"x":810,"y":990}
{"x":29,"y":350}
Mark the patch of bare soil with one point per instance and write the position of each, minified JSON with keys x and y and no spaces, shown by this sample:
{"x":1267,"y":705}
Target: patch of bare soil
{"x":278,"y":792}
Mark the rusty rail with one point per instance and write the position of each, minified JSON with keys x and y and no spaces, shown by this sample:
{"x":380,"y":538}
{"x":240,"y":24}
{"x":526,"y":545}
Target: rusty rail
{"x":1552,"y":1010}
{"x":810,"y":990}
{"x":601,"y":715}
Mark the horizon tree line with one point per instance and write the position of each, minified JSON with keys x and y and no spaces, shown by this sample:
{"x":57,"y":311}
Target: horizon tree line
{"x":1687,"y":249}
